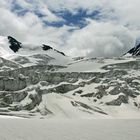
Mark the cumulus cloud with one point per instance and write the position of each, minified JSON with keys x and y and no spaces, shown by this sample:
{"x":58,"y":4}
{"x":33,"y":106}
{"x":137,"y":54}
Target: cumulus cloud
{"x":112,"y":34}
{"x":101,"y":39}
{"x":30,"y":28}
{"x":38,"y":7}
{"x":127,"y":12}
{"x":11,"y":24}
{"x":74,"y":5}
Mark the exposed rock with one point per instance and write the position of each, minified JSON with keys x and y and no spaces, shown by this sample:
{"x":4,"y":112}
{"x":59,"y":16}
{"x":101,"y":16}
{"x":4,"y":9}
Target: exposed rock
{"x":36,"y":99}
{"x":116,"y":90}
{"x":135,"y":51}
{"x":10,"y":97}
{"x":3,"y":104}
{"x":90,"y":108}
{"x":14,"y":44}
{"x":101,"y":92}
{"x":44,"y":83}
{"x":46,"y":47}
{"x":117,"y":102}
{"x":64,"y":88}
{"x":78,"y":91}
{"x":11,"y":84}
{"x":129,"y":92}
{"x":88,"y":95}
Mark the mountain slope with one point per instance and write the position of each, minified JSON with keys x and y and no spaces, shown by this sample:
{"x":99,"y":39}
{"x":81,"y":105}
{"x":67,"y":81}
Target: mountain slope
{"x":134,"y":51}
{"x":39,"y":81}
{"x":29,"y":54}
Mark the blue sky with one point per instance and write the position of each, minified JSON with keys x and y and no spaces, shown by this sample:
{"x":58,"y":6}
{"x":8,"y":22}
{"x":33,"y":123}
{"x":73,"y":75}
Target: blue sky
{"x":70,"y":19}
{"x":93,"y":27}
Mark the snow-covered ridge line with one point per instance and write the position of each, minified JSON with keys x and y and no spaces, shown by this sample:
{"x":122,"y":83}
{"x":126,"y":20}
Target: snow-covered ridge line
{"x":12,"y":49}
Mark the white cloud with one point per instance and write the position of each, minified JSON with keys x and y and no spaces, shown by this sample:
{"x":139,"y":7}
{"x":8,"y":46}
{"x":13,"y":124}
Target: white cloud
{"x":123,"y":11}
{"x":29,"y":28}
{"x":127,"y":12}
{"x":10,"y":24}
{"x":100,"y":39}
{"x":40,"y":7}
{"x":74,"y":5}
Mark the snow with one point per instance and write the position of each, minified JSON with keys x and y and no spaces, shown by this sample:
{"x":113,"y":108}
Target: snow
{"x":28,"y":50}
{"x":61,"y":106}
{"x":4,"y":47}
{"x":66,"y":129}
{"x":32,"y":49}
{"x":125,"y":111}
{"x":93,"y":65}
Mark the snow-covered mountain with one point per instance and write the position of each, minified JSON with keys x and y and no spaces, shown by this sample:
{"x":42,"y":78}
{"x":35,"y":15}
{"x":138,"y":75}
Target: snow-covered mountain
{"x":26,"y":54}
{"x":10,"y":45}
{"x":41,"y":81}
{"x":135,"y":51}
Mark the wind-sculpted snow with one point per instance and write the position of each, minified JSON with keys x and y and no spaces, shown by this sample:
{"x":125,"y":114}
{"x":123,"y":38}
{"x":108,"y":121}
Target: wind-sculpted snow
{"x":48,"y":90}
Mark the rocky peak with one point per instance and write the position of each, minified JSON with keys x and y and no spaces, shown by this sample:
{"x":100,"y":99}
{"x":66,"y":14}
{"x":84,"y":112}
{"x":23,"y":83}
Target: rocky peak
{"x":14,"y":44}
{"x":46,"y":47}
{"x":135,"y":51}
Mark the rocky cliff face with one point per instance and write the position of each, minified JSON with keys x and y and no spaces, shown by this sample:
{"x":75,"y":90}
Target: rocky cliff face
{"x":14,"y":44}
{"x":134,"y":51}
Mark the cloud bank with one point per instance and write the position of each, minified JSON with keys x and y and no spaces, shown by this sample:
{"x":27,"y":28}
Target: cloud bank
{"x":109,"y":28}
{"x":101,"y":40}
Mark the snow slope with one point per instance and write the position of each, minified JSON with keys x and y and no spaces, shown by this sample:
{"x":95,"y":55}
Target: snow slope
{"x":27,"y":129}
{"x":94,"y":64}
{"x":27,"y":54}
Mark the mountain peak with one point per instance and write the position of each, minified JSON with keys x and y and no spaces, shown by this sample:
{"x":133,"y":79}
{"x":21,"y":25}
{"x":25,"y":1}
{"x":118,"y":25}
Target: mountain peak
{"x":46,"y":47}
{"x":135,"y":51}
{"x":14,"y":44}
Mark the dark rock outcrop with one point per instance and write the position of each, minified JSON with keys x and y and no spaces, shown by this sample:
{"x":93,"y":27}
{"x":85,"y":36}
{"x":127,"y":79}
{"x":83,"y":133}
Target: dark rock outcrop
{"x":117,"y":102}
{"x":14,"y":44}
{"x":46,"y":47}
{"x":135,"y":51}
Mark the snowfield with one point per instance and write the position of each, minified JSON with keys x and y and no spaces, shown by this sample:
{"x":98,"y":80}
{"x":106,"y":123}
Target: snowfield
{"x":40,"y":129}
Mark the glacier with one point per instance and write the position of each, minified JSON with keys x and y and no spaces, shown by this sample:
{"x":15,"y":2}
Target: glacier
{"x":45,"y":83}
